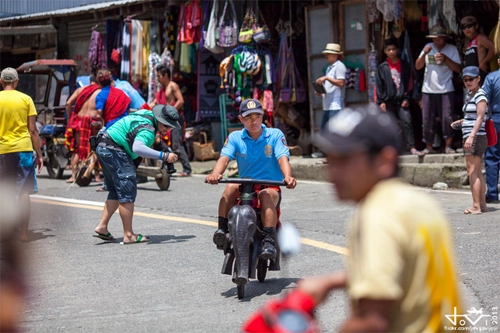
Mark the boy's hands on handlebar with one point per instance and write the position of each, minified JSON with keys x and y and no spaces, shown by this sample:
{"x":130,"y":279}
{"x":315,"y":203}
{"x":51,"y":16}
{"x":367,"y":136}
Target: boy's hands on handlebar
{"x":213,"y":178}
{"x":290,"y":182}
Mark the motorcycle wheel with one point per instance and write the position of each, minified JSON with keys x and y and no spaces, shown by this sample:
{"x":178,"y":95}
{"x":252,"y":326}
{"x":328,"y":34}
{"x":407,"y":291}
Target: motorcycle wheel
{"x":261,"y":270}
{"x":163,"y":180}
{"x":241,"y":290}
{"x":54,"y":169}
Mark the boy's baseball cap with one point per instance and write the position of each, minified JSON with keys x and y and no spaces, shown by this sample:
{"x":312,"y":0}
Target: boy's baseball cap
{"x":249,"y":106}
{"x":9,"y":74}
{"x":359,"y":130}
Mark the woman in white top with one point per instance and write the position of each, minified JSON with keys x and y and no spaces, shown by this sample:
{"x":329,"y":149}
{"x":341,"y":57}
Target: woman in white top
{"x":474,"y":137}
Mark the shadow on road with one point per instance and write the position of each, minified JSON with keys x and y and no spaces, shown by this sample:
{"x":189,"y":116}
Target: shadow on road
{"x":272,"y":286}
{"x":37,"y":234}
{"x":159,"y":239}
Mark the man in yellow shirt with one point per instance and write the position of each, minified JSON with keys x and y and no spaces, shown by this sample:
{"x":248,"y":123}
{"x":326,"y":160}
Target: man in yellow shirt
{"x":401,"y":274}
{"x":18,"y":139}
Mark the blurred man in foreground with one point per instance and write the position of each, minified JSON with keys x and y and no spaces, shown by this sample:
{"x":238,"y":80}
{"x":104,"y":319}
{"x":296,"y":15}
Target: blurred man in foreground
{"x":401,"y":274}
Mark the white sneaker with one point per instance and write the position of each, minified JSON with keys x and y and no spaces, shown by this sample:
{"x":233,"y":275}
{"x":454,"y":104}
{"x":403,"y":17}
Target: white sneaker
{"x":317,"y":154}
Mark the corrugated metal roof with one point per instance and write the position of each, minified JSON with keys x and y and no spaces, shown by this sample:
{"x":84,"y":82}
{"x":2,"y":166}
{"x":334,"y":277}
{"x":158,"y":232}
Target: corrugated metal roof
{"x":25,"y":7}
{"x":74,"y":10}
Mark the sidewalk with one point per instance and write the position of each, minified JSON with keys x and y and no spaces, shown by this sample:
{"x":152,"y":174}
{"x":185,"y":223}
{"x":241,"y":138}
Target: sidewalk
{"x":422,"y":171}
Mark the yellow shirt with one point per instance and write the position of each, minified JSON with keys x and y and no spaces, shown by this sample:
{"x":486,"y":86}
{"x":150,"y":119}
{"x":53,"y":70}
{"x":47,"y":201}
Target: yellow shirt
{"x":15,"y":108}
{"x":401,"y":249}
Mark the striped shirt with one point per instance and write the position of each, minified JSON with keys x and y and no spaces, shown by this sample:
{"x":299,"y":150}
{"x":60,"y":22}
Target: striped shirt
{"x":470,"y":113}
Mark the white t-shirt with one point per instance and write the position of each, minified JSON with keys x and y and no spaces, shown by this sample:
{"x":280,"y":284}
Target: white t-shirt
{"x":438,"y":78}
{"x":334,"y":97}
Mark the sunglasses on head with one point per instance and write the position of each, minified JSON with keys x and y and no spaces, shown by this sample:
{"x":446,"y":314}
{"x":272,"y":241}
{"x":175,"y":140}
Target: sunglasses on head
{"x":467,"y":26}
{"x":469,"y":79}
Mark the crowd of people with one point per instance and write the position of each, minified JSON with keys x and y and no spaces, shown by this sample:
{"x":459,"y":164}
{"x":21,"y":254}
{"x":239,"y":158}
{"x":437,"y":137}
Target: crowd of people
{"x":361,"y":147}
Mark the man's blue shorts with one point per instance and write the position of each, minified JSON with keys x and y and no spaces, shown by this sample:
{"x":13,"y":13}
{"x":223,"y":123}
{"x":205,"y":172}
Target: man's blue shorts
{"x":119,"y":173}
{"x":18,"y":170}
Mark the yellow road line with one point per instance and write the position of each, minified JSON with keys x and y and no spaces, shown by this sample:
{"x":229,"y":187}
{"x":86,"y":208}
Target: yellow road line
{"x":306,"y":241}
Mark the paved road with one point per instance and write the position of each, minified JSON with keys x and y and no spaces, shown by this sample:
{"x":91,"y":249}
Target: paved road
{"x":173,"y":284}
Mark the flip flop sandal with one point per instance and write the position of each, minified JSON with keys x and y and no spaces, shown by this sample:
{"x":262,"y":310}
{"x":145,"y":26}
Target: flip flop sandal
{"x":106,"y":237}
{"x":140,"y":239}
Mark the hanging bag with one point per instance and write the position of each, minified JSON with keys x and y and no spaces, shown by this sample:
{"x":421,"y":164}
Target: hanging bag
{"x":210,"y":38}
{"x":261,"y":33}
{"x":491,"y":132}
{"x":287,"y":92}
{"x":227,"y":30}
{"x":246,"y":31}
{"x":292,"y":87}
{"x":299,"y":85}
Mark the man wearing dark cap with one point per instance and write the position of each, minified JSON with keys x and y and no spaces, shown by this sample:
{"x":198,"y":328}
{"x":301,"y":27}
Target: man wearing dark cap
{"x":440,"y":60}
{"x":119,"y":151}
{"x":480,"y":49}
{"x":261,"y":153}
{"x":18,"y":139}
{"x":400,"y":274}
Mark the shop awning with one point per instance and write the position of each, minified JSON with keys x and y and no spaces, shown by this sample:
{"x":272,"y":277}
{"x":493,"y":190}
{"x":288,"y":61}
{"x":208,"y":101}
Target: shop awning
{"x":27,"y":30}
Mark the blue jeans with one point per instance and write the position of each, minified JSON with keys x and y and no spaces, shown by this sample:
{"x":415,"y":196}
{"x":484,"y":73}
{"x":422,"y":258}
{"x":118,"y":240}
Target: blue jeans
{"x":492,"y":166}
{"x":327,"y":114}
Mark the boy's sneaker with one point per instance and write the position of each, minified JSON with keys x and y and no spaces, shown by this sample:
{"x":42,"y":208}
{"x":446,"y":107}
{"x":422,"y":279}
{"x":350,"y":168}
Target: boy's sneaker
{"x":268,"y":251}
{"x":220,"y":239}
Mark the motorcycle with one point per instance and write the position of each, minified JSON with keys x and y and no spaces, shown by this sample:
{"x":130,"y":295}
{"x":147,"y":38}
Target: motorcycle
{"x":50,"y":82}
{"x":241,"y":252}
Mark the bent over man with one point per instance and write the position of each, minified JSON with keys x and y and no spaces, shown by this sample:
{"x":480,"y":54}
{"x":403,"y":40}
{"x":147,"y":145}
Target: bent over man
{"x":119,"y":151}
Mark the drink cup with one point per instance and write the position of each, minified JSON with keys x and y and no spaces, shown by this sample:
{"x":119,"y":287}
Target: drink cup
{"x":439,"y":59}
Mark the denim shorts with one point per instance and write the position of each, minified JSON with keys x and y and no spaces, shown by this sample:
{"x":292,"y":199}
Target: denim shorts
{"x":18,"y":170}
{"x":478,"y":147}
{"x":119,"y":174}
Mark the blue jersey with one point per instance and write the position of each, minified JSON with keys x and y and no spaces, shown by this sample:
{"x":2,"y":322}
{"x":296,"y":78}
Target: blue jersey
{"x":257,"y":159}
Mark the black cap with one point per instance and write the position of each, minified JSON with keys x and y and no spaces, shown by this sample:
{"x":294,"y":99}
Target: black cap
{"x":167,"y":115}
{"x":249,"y":106}
{"x":360,"y":129}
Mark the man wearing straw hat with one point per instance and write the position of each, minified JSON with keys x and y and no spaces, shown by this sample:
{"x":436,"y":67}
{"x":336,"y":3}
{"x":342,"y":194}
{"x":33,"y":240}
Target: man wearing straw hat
{"x":440,"y":60}
{"x":334,"y":83}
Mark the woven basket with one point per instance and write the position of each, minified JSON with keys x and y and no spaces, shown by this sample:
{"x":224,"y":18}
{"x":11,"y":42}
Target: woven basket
{"x":205,"y":151}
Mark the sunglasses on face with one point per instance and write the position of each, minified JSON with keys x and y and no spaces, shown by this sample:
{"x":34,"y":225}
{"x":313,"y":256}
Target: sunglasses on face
{"x":469,"y":79}
{"x":467,"y":26}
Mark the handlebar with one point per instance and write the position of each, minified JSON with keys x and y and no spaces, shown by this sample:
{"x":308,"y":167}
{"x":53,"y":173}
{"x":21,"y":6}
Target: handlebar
{"x":249,"y":181}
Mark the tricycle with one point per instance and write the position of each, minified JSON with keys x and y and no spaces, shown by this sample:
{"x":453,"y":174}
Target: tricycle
{"x":50,"y":82}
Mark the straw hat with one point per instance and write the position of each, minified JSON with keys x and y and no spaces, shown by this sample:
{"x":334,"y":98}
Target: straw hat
{"x":333,"y":49}
{"x":437,"y":31}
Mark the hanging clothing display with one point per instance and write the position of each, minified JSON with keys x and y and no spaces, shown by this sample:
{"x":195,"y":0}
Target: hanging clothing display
{"x":192,"y":22}
{"x":125,"y":53}
{"x":136,"y":46}
{"x":97,"y":52}
{"x":450,"y":15}
{"x":386,"y":7}
{"x":154,"y":37}
{"x":169,"y":30}
{"x":153,"y":60}
{"x":184,"y":62}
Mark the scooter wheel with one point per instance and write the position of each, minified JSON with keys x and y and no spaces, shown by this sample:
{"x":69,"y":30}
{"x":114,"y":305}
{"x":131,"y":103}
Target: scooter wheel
{"x":261,"y":270}
{"x":163,"y":180}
